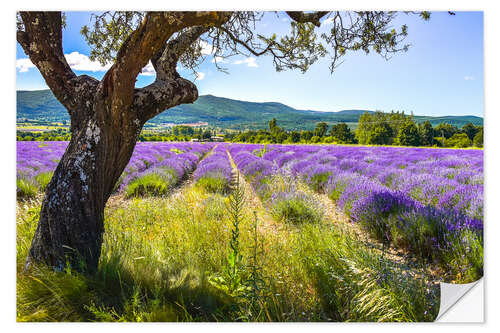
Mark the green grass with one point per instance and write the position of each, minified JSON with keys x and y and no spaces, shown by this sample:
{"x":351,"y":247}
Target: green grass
{"x":152,"y":184}
{"x":214,"y":183}
{"x":160,"y":256}
{"x":43,"y":179}
{"x":26,"y":188}
{"x":296,"y":210}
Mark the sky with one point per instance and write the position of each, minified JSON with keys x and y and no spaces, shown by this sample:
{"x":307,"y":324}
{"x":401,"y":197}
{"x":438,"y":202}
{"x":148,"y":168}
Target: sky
{"x":441,"y":74}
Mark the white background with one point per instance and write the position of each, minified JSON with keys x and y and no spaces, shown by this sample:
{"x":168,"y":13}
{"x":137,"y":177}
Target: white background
{"x":492,"y":161}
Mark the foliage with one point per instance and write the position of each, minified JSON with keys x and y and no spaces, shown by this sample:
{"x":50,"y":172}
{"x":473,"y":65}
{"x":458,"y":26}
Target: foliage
{"x":341,"y":133}
{"x":321,"y":129}
{"x":445,"y":130}
{"x":426,"y":133}
{"x":160,"y":254}
{"x":43,"y":179}
{"x":478,"y":139}
{"x":470,"y":130}
{"x":458,"y":140}
{"x":408,"y":134}
{"x":232,"y":280}
{"x":295,"y":210}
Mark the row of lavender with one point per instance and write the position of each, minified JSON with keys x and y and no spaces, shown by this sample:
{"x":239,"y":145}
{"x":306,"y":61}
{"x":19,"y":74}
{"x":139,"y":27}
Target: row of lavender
{"x":214,"y":173}
{"x":428,"y":201}
{"x":284,"y":199}
{"x":163,"y":161}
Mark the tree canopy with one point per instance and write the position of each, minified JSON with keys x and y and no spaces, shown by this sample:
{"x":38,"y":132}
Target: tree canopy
{"x":236,"y":33}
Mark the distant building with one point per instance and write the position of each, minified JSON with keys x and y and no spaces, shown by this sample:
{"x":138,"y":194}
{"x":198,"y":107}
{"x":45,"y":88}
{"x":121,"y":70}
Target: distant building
{"x":218,"y":138}
{"x":195,"y":140}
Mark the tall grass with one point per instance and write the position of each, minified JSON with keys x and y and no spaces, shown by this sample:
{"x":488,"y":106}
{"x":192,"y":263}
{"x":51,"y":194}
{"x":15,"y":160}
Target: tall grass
{"x":160,"y":254}
{"x":214,"y":183}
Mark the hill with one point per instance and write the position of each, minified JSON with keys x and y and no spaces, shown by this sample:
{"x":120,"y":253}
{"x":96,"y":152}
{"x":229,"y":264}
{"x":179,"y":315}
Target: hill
{"x":220,"y":112}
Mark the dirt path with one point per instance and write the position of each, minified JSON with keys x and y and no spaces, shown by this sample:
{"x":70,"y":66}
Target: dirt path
{"x":268,"y":224}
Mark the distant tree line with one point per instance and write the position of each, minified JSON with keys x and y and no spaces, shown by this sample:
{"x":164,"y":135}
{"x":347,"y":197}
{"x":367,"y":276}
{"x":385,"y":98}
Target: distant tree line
{"x":378,"y":128}
{"x":59,"y":134}
{"x":396,"y":128}
{"x":177,"y":133}
{"x":322,"y":133}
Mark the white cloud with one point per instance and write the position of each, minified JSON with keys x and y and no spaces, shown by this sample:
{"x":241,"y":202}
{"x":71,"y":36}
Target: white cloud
{"x":250,"y":61}
{"x":201,"y":76}
{"x":148,"y":70}
{"x":80,"y":62}
{"x":24,"y":64}
{"x":468,"y":78}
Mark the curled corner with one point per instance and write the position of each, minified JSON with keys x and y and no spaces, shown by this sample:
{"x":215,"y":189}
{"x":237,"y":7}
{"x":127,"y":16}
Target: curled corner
{"x":451,"y":295}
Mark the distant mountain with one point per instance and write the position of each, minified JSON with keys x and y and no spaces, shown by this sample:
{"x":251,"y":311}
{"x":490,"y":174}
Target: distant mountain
{"x":221,"y":112}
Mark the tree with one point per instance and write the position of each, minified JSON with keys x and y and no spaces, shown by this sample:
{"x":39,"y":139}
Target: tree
{"x":315,"y":139}
{"x":408,"y":134}
{"x":364,"y":127}
{"x":381,"y":135}
{"x":272,"y":125}
{"x":321,"y":129}
{"x":375,"y":128}
{"x":207,"y":134}
{"x":281,"y":137}
{"x":107,"y":116}
{"x":295,"y":137}
{"x":426,"y":133}
{"x":446,"y":130}
{"x":342,"y":133}
{"x":478,"y":138}
{"x":470,"y":130}
{"x":306,"y":135}
{"x":458,"y":140}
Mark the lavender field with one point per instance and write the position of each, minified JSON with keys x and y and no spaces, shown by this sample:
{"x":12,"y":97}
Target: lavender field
{"x":322,"y":226}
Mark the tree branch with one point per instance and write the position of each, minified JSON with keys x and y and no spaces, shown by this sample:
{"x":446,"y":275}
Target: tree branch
{"x":302,"y":17}
{"x":169,"y":89}
{"x":42,"y":42}
{"x":165,"y":61}
{"x":161,"y":95}
{"x":144,"y":44}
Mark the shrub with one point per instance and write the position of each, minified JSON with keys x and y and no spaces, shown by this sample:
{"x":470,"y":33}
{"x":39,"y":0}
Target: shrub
{"x":376,"y":212}
{"x":449,"y":237}
{"x":478,"y":139}
{"x":214,"y":183}
{"x":155,"y":183}
{"x":458,"y":140}
{"x":315,"y":139}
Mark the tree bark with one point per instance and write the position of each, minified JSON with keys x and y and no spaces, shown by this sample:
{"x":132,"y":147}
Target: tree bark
{"x":106,"y":120}
{"x":71,"y":223}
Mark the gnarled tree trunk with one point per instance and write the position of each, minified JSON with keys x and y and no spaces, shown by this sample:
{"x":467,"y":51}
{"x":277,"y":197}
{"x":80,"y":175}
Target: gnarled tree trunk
{"x":71,"y":221}
{"x":106,"y":119}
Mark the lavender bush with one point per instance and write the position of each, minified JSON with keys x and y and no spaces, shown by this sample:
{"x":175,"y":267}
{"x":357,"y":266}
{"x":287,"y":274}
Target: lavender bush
{"x":214,"y":173}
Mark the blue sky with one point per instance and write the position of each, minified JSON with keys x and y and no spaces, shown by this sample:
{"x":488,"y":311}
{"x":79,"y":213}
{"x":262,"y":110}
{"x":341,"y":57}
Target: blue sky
{"x":441,"y":74}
